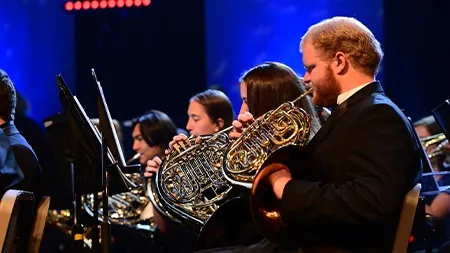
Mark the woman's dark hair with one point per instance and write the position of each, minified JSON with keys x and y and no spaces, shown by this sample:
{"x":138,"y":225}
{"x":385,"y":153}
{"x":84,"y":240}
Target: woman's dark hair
{"x":272,"y":83}
{"x":217,"y":105}
{"x":156,"y":128}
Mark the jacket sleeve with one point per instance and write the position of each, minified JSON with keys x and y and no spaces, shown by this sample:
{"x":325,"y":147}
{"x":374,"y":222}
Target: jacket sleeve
{"x":377,"y":161}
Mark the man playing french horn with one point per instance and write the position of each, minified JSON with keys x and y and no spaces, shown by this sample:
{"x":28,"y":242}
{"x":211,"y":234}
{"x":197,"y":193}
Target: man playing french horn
{"x":344,"y":191}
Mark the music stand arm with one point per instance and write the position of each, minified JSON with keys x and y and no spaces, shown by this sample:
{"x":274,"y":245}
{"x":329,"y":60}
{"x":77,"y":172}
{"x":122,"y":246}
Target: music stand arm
{"x":106,"y":226}
{"x":77,"y":229}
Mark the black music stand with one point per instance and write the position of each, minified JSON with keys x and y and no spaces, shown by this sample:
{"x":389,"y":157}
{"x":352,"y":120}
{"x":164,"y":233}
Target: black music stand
{"x":109,"y":141}
{"x":88,"y":144}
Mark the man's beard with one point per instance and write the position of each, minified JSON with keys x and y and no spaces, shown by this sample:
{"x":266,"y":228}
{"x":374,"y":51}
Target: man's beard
{"x":327,"y":90}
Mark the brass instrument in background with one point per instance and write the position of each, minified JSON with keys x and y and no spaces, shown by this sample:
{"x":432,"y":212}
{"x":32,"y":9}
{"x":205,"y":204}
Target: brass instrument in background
{"x":286,"y":125}
{"x":62,"y":219}
{"x":190,"y":183}
{"x":124,"y":208}
{"x":429,"y":141}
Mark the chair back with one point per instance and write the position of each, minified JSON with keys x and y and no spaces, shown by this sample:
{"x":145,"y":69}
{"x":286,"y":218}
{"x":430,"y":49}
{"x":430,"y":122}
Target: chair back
{"x":16,"y":215}
{"x":40,"y":219}
{"x":406,"y":221}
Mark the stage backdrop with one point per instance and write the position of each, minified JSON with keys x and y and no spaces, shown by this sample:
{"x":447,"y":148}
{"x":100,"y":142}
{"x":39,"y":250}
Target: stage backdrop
{"x":146,"y":58}
{"x":241,"y":34}
{"x":36,"y":43}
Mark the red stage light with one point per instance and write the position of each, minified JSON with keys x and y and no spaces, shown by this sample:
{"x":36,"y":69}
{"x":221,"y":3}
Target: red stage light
{"x":120,"y":3}
{"x":86,"y":5}
{"x":77,"y":5}
{"x":95,"y":4}
{"x":103,"y":4}
{"x":111,"y":3}
{"x":68,"y":6}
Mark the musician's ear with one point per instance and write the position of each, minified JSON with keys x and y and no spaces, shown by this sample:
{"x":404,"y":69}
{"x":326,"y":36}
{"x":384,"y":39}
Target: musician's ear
{"x":340,"y":63}
{"x":219,"y":124}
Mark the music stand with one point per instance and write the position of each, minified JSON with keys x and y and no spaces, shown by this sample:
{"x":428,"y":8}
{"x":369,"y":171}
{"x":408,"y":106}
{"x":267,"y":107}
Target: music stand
{"x":442,"y":115}
{"x":89,"y":145}
{"x":110,"y":141}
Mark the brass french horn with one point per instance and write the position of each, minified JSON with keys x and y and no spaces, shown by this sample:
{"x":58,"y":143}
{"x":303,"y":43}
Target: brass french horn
{"x":286,"y":125}
{"x":190,"y":184}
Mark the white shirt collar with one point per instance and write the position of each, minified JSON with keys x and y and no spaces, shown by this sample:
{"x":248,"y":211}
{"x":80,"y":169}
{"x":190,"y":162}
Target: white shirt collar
{"x":346,"y":95}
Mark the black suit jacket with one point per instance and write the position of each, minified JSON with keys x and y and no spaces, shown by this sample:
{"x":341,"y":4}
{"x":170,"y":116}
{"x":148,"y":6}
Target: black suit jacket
{"x":365,"y":159}
{"x":10,"y":173}
{"x":25,"y":158}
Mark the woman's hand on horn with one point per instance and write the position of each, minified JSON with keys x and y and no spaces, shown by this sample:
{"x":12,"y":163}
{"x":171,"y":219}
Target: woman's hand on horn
{"x":243,"y":120}
{"x":152,"y":167}
{"x":174,"y":144}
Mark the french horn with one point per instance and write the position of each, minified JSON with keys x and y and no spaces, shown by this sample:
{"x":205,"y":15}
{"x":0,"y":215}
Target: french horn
{"x":190,"y":183}
{"x":286,"y":125}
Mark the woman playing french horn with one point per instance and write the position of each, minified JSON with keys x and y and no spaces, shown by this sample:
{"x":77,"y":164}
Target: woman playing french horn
{"x":263,"y":88}
{"x":208,"y":112}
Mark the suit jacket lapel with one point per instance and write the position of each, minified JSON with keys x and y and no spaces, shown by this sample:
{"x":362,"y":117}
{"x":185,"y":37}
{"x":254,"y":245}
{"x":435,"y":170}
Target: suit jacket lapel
{"x":341,"y":109}
{"x":325,"y":129}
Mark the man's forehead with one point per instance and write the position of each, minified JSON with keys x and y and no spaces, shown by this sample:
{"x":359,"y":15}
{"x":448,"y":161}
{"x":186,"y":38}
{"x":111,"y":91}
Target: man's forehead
{"x":308,"y":50}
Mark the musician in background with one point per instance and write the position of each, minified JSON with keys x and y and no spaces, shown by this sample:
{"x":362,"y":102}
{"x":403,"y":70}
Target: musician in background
{"x":19,"y":166}
{"x":359,"y":165}
{"x":151,"y":133}
{"x":209,"y":112}
{"x":438,"y":205}
{"x":426,"y":127}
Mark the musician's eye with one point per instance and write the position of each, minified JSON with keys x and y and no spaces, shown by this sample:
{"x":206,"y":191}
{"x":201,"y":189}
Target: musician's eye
{"x":309,"y":68}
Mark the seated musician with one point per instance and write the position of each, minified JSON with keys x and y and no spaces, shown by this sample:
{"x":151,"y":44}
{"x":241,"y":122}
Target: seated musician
{"x":426,"y":127}
{"x":437,"y":206}
{"x":360,"y":164}
{"x":151,"y":133}
{"x":19,"y":166}
{"x":208,"y":112}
